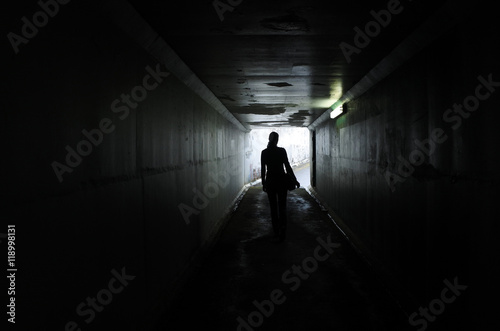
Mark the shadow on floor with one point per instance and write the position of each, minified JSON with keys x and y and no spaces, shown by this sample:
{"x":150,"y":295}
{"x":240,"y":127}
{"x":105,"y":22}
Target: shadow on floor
{"x":303,"y":284}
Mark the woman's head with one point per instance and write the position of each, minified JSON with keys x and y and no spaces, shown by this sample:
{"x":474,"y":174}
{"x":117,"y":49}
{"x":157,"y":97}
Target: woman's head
{"x":273,"y":139}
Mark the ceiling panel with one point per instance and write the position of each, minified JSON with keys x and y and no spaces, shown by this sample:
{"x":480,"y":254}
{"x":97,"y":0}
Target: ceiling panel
{"x":279,"y":63}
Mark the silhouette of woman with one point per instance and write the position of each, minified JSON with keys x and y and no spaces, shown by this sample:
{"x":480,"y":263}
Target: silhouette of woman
{"x":272,"y":160}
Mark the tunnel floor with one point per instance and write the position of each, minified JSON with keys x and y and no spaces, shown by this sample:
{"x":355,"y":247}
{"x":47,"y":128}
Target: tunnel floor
{"x":246,"y":269}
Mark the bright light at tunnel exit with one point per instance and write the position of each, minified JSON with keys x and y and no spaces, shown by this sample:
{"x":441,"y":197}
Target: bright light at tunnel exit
{"x":336,"y":112}
{"x":295,"y":140}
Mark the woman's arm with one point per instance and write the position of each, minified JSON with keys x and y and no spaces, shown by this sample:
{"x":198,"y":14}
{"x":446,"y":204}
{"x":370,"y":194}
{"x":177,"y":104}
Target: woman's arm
{"x":263,"y":171}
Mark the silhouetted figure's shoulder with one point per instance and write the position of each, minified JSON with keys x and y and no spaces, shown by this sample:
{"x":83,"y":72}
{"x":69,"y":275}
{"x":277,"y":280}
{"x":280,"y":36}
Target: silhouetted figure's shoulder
{"x":274,"y":150}
{"x":274,"y":155}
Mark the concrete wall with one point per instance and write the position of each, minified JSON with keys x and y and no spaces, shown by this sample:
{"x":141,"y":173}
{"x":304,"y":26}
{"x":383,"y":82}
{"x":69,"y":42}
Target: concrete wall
{"x":436,"y":222}
{"x":119,"y":206}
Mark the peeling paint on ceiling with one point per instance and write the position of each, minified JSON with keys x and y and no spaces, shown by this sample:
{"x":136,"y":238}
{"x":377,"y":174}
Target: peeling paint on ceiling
{"x":279,"y":62}
{"x":290,"y":22}
{"x":280,"y":84}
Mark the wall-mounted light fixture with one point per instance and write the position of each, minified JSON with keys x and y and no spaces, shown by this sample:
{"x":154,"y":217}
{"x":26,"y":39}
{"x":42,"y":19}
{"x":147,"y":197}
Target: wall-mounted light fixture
{"x":336,"y":112}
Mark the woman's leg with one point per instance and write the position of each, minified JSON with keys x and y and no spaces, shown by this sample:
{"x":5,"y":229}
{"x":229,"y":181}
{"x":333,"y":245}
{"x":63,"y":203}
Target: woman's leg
{"x":273,"y":203}
{"x":282,"y":213}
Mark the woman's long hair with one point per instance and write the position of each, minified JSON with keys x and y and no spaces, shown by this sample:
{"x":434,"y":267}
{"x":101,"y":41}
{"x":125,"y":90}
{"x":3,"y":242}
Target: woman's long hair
{"x":273,"y":139}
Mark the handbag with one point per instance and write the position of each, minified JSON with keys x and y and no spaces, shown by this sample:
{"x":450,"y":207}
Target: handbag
{"x":290,"y":182}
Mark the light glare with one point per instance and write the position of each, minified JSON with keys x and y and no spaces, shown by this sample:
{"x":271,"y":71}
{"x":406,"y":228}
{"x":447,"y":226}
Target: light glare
{"x":336,"y":112}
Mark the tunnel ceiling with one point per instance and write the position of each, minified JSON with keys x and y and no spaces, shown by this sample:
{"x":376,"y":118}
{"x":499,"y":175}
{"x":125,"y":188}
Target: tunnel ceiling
{"x":279,"y":63}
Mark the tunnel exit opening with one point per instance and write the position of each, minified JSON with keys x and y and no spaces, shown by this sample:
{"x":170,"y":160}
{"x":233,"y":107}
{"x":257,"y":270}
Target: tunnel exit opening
{"x":294,"y":140}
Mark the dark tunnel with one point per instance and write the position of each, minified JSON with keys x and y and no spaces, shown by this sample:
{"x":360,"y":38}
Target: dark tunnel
{"x":132,"y":176}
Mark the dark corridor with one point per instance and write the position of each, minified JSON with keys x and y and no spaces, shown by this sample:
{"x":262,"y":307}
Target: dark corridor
{"x":314,"y":289}
{"x":127,"y":145}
